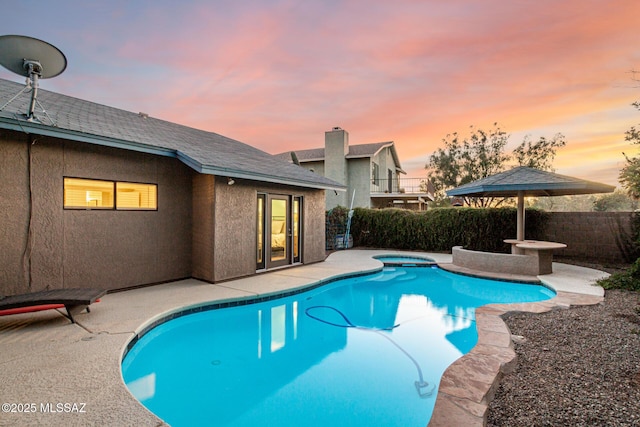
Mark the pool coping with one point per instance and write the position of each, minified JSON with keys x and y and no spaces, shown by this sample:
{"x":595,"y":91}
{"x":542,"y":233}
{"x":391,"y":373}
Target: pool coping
{"x":46,"y":359}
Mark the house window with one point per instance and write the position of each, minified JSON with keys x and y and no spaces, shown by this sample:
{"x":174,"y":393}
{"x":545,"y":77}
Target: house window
{"x":88,"y":194}
{"x":132,"y":196}
{"x":375,"y":173}
{"x":96,"y":194}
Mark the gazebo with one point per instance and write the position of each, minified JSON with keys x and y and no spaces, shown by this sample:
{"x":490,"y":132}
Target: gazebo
{"x":524,"y":182}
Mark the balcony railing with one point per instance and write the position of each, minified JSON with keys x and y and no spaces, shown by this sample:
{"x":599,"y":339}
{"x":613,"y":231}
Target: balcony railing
{"x":381,"y":187}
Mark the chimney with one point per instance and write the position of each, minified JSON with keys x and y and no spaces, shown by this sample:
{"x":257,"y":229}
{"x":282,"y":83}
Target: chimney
{"x":337,"y":139}
{"x":336,"y":148}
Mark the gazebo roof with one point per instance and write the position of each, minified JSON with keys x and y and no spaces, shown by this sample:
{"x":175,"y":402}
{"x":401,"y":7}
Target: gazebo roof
{"x":532,"y":182}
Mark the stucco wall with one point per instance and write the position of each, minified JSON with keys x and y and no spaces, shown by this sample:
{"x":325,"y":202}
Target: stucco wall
{"x":314,"y":226}
{"x":589,"y":235}
{"x":203,"y":227}
{"x":235,"y":230}
{"x":315,"y":167}
{"x":496,"y":262}
{"x":384,"y":159}
{"x":235,"y":225}
{"x":89,"y":248}
{"x":14,"y":211}
{"x":360,"y":181}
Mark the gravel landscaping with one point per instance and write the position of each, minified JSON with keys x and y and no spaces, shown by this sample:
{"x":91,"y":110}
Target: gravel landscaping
{"x":575,"y":367}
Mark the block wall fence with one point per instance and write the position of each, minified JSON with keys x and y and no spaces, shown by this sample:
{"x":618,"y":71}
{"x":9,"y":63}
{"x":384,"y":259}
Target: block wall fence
{"x":595,"y":236}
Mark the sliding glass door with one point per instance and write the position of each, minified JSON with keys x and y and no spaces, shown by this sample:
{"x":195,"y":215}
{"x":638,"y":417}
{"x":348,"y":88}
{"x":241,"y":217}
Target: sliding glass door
{"x":278,"y":240}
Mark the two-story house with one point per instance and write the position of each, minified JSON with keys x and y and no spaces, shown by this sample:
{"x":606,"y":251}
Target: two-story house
{"x":371,"y":173}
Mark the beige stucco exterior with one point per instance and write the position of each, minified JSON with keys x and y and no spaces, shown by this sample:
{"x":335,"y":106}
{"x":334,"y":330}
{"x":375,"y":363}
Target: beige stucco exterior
{"x":235,"y":226}
{"x":359,"y":182}
{"x":202,"y":228}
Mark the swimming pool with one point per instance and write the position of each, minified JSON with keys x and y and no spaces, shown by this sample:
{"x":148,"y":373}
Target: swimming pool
{"x":367,"y":350}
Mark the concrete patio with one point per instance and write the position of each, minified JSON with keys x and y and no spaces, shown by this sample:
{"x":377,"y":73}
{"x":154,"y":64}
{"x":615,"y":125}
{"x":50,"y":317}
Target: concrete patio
{"x":47,"y":361}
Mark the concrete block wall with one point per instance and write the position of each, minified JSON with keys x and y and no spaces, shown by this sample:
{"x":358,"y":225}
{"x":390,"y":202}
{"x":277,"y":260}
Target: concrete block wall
{"x":589,"y":235}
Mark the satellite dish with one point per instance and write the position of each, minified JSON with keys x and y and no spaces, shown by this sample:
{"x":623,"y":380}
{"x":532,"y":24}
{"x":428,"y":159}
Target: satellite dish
{"x":21,"y":53}
{"x":31,"y":58}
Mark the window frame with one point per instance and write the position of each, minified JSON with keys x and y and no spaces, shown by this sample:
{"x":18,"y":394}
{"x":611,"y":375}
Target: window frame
{"x":264,"y":224}
{"x":114,"y":185}
{"x":96,"y":208}
{"x":134,"y":208}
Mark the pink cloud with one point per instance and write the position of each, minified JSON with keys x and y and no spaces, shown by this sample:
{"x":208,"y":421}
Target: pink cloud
{"x":278,"y":74}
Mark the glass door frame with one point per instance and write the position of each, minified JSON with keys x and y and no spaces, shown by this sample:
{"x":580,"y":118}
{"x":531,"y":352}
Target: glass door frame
{"x":283,"y":235}
{"x":261,"y":232}
{"x":296,"y":225}
{"x":291,"y":235}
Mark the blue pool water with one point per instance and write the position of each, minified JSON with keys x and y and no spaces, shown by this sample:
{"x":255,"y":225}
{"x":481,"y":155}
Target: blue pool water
{"x":362,"y":351}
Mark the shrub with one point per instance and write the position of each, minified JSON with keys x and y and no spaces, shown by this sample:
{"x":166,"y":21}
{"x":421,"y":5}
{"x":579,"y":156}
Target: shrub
{"x":441,"y":229}
{"x":628,"y":279}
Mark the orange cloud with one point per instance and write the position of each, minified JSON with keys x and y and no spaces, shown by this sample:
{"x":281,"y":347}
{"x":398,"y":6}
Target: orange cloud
{"x":278,"y":74}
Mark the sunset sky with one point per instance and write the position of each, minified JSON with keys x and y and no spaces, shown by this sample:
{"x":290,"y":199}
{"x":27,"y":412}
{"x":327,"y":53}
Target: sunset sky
{"x":278,"y":74}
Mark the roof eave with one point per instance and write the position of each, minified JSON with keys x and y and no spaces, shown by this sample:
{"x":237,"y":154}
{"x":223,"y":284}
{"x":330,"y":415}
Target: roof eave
{"x":319,"y":159}
{"x":55,"y":132}
{"x":234,"y":173}
{"x":383,"y":146}
{"x":358,"y":156}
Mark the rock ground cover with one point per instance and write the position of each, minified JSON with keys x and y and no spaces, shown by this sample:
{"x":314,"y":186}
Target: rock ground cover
{"x":576,"y":367}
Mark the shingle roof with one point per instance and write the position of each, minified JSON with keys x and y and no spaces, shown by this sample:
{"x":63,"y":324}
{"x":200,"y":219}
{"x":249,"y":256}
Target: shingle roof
{"x":206,"y":152}
{"x":366,"y":150}
{"x":533,"y":182}
{"x":312,"y":155}
{"x":355,"y":152}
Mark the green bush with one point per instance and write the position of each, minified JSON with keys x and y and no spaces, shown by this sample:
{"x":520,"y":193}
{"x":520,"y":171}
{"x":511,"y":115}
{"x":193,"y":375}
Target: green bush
{"x":628,"y":279}
{"x":336,"y":224}
{"x":440,"y":229}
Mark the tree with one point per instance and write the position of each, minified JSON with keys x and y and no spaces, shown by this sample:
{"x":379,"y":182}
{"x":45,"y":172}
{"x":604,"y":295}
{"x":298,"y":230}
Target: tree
{"x":482,"y":154}
{"x":574,"y":203}
{"x":463,"y":160}
{"x":618,"y":201}
{"x":538,"y":154}
{"x":630,"y":174}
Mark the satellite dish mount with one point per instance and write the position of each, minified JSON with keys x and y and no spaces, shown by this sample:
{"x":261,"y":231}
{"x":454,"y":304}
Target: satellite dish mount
{"x":34,"y":59}
{"x":33,"y":68}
